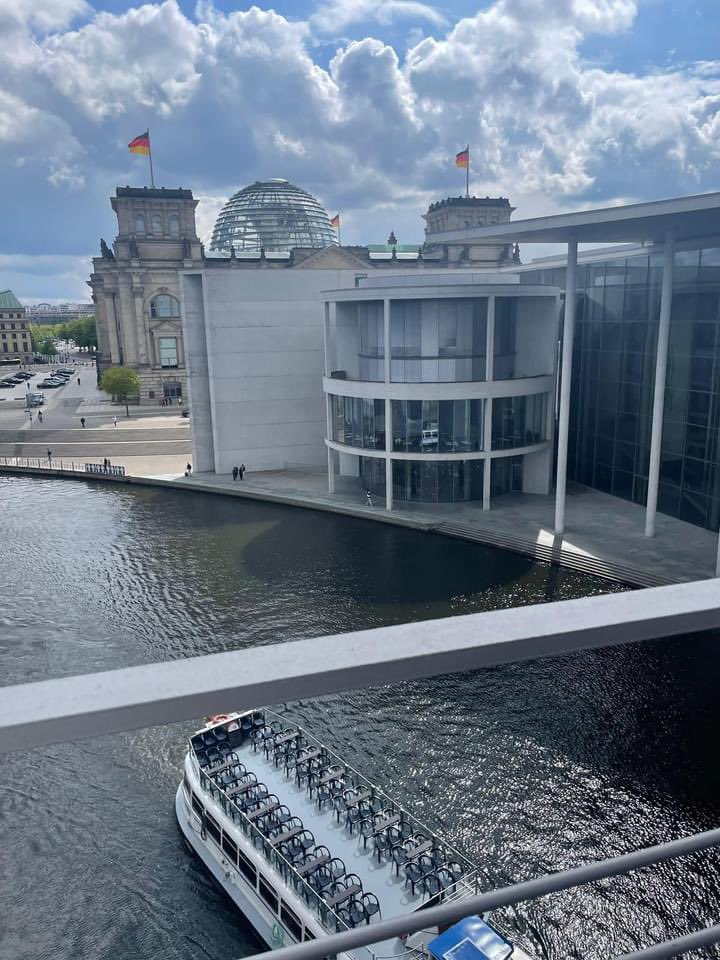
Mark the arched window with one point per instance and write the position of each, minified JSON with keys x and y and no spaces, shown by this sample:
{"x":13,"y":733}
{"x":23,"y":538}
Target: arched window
{"x":157,"y":223}
{"x":139,"y":223}
{"x":174,"y":225}
{"x":164,"y":306}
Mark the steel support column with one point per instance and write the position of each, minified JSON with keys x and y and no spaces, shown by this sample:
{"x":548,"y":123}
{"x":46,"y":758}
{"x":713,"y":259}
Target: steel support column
{"x":565,"y":386}
{"x":661,"y":356}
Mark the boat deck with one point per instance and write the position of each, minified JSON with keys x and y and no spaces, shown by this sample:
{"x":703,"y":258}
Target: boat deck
{"x":393,"y":894}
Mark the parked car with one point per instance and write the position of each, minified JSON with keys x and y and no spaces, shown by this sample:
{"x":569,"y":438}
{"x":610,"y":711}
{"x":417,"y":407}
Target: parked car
{"x":24,"y":375}
{"x":35,"y":399}
{"x":14,"y":380}
{"x":49,"y":384}
{"x":69,"y":371}
{"x":5,"y":385}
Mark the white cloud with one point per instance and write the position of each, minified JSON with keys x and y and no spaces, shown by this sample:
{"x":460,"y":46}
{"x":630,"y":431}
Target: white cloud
{"x":44,"y":15}
{"x":336,"y":15}
{"x":232,"y":97}
{"x":142,"y":58}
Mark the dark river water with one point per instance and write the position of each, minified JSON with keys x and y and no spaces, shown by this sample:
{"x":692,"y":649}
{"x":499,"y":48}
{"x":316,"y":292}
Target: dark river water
{"x":527,"y":768}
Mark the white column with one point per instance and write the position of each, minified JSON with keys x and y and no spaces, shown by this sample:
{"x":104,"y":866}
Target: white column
{"x":661,"y":356}
{"x":717,"y":562}
{"x":386,"y":340}
{"x":565,"y":385}
{"x":326,"y":338}
{"x":388,"y":449}
{"x":329,"y":434}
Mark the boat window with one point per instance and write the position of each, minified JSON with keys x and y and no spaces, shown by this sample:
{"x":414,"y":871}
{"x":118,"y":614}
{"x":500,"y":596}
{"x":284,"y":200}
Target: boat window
{"x":308,"y":934}
{"x":247,"y":868}
{"x":212,"y":828}
{"x":197,"y":805}
{"x":230,"y":847}
{"x":291,"y":921}
{"x":269,"y":895}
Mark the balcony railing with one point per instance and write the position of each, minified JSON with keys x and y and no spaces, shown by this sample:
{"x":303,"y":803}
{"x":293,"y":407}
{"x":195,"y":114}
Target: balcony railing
{"x":72,"y":708}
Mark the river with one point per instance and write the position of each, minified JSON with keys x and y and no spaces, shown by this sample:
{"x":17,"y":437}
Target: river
{"x":528,"y":767}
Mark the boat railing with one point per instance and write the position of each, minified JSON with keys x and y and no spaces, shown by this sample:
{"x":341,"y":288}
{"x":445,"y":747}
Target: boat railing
{"x":392,"y":805}
{"x":325,"y":914}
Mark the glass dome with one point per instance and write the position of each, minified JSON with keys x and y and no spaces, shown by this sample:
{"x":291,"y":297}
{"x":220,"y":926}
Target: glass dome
{"x":273,"y":215}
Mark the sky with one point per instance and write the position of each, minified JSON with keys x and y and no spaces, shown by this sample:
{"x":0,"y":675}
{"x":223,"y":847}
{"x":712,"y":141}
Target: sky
{"x":566,"y":104}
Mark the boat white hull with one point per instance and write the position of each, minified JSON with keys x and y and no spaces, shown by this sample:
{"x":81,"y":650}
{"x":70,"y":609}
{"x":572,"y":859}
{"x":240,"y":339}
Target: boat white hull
{"x":243,"y":896}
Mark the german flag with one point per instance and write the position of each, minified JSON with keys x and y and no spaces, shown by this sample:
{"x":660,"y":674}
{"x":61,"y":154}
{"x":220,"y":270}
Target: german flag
{"x":335,"y":222}
{"x":462,"y":159}
{"x":140,"y":144}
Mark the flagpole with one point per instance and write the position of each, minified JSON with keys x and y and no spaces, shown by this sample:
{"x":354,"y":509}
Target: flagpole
{"x":467,"y":174}
{"x":152,"y":178}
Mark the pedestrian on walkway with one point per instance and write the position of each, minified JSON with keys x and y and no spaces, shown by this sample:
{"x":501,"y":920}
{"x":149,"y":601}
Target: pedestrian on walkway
{"x":115,"y":421}
{"x":105,"y":464}
{"x":49,"y":455}
{"x":235,"y":472}
{"x":189,"y":469}
{"x":82,"y":422}
{"x":78,"y":381}
{"x":368,"y":499}
{"x":40,"y":415}
{"x":242,"y":471}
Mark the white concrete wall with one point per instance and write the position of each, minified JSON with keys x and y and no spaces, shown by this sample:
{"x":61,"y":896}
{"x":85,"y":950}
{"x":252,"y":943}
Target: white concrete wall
{"x":191,"y":293}
{"x":265,"y":357}
{"x":347,"y":340}
{"x":537,"y":471}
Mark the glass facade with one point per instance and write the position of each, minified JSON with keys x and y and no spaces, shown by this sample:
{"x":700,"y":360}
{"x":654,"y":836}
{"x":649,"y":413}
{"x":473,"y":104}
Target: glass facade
{"x":370,"y":317}
{"x":518,"y":421}
{"x":504,"y":338}
{"x":437,"y":341}
{"x":437,"y":482}
{"x":618,"y":309}
{"x":272,"y":215}
{"x":437,"y":426}
{"x":358,"y":422}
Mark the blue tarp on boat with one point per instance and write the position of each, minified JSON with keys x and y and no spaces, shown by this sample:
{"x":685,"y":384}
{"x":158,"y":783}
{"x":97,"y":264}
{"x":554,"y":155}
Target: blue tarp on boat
{"x":470,"y":939}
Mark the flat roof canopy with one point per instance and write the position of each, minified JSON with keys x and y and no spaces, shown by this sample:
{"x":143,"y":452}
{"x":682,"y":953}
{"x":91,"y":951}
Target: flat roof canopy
{"x":686,"y":217}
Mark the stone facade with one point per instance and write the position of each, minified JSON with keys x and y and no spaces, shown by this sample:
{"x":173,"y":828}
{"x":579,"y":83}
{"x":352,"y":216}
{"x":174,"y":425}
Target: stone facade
{"x":136,"y":292}
{"x":457,"y":213}
{"x":15,"y":340}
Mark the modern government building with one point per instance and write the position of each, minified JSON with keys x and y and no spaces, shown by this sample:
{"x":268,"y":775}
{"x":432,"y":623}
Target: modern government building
{"x":441,"y":373}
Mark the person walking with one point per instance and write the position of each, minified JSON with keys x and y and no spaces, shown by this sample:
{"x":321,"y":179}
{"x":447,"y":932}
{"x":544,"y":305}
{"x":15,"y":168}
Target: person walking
{"x":189,"y":469}
{"x":242,"y":471}
{"x":235,"y":472}
{"x":368,"y":499}
{"x":50,"y":456}
{"x":82,"y":422}
{"x":78,"y":381}
{"x":114,"y":421}
{"x":40,"y":416}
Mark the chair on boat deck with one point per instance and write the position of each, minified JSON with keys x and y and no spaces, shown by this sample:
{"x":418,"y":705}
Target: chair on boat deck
{"x":352,"y":913}
{"x":321,"y":879}
{"x":326,"y":792}
{"x":416,"y":870}
{"x":371,"y":904}
{"x":295,"y":849}
{"x":355,"y":815}
{"x":305,"y":769}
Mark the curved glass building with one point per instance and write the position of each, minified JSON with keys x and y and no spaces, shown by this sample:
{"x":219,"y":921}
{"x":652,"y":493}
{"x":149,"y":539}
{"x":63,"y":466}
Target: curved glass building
{"x":272,"y":215}
{"x":440,"y":389}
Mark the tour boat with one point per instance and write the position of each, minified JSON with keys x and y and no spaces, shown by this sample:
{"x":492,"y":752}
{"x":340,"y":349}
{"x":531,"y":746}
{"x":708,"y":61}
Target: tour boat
{"x":305,"y":845}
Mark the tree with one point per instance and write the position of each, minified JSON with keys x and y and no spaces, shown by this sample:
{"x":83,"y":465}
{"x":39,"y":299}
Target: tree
{"x":47,"y":348}
{"x":42,"y":333}
{"x":121,"y":383}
